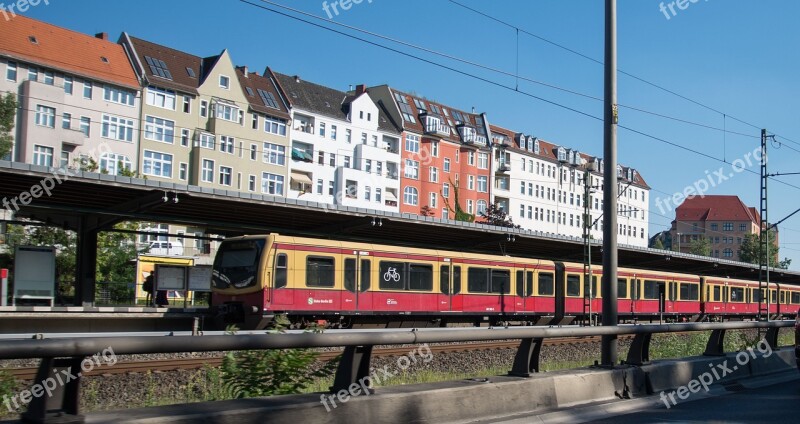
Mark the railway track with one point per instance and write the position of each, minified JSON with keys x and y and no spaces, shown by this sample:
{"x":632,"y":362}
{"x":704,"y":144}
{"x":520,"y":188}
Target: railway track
{"x":165,"y":365}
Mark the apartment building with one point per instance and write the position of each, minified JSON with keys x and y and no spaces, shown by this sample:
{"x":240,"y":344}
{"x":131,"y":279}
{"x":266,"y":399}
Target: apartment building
{"x":445,"y":155}
{"x":544,"y":188}
{"x":344,"y":149}
{"x":79,"y":99}
{"x":723,"y":220}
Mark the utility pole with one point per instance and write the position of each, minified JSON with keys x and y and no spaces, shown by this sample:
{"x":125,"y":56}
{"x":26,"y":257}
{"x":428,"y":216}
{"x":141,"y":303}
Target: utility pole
{"x":587,"y":243}
{"x":763,"y":251}
{"x":611,"y":119}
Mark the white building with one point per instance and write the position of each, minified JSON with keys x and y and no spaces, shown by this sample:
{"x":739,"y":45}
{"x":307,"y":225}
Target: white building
{"x":345,"y":151}
{"x":542,"y":187}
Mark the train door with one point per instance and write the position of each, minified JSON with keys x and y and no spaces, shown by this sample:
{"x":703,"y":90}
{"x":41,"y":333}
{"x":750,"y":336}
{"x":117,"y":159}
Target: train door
{"x":357,"y":276}
{"x":524,"y":290}
{"x":560,"y":287}
{"x":450,"y":286}
{"x":662,"y":296}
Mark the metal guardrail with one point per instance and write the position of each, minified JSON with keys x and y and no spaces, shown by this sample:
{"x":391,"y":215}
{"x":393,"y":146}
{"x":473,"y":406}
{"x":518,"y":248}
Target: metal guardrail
{"x":61,"y":354}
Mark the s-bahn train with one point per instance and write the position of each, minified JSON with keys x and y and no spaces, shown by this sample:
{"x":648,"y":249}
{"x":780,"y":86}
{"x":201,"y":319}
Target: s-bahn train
{"x":345,"y":284}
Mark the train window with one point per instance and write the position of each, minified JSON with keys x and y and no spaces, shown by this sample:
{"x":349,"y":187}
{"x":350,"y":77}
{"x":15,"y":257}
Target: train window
{"x":717,"y":294}
{"x":783,"y":296}
{"x":636,"y":289}
{"x":595,"y":288}
{"x":478,"y":280}
{"x":320,"y":271}
{"x":520,"y":283}
{"x":420,"y":277}
{"x":651,"y":290}
{"x":673,"y":290}
{"x":392,"y":275}
{"x":501,"y":281}
{"x":622,"y":288}
{"x":350,"y":275}
{"x":795,"y":298}
{"x":573,"y":285}
{"x":773,"y":296}
{"x":366,"y":267}
{"x":689,"y":291}
{"x":737,"y":294}
{"x":546,"y":287}
{"x":529,"y":283}
{"x":456,"y":279}
{"x":281,"y":271}
{"x":758,"y":295}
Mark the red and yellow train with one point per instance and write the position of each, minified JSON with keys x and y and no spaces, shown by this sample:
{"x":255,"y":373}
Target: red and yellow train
{"x":339,"y":283}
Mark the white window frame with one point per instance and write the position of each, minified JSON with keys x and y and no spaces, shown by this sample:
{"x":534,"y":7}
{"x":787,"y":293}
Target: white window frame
{"x":110,"y":162}
{"x":43,"y":155}
{"x":227,"y":144}
{"x":412,"y":143}
{"x":275,"y":126}
{"x":207,"y":171}
{"x":161,"y":98}
{"x":159,"y":131}
{"x":276,"y":181}
{"x":411,"y":170}
{"x":225,"y":176}
{"x":45,"y":116}
{"x":274,"y":154}
{"x":164,"y":162}
{"x":117,"y":128}
{"x":119,"y":96}
{"x":410,"y":196}
{"x":225,"y":82}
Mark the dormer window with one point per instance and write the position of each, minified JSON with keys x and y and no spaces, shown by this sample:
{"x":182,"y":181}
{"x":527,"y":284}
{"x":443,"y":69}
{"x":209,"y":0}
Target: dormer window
{"x":562,"y":154}
{"x":571,"y":157}
{"x":224,"y":82}
{"x":535,"y":145}
{"x":577,"y":158}
{"x":619,"y":171}
{"x":630,"y":174}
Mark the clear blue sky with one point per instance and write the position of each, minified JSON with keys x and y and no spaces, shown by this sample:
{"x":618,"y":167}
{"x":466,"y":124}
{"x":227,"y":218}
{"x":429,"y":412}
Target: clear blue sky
{"x":736,"y":56}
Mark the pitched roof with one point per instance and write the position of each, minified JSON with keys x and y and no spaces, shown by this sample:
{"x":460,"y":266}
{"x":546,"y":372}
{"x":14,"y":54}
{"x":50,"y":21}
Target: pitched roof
{"x":32,"y":41}
{"x":253,"y":85}
{"x":448,"y":115}
{"x":323,"y":100}
{"x":549,"y":151}
{"x":715,"y":208}
{"x":181,"y":66}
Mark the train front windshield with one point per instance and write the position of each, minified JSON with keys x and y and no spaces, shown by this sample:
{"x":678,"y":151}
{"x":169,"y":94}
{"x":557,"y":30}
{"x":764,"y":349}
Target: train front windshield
{"x":236,"y":264}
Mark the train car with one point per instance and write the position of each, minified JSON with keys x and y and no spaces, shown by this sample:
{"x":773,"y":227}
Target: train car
{"x":345,"y":284}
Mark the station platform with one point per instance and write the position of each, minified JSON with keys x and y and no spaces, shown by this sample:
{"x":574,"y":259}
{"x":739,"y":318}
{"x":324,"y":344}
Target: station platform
{"x":70,"y":319}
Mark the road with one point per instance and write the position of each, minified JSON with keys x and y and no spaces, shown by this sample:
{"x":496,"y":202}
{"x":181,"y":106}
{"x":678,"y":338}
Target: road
{"x":772,"y":404}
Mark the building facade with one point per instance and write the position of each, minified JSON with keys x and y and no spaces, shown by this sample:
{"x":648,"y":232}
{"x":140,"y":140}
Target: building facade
{"x":78,"y":97}
{"x":722,"y":220}
{"x":344,"y":151}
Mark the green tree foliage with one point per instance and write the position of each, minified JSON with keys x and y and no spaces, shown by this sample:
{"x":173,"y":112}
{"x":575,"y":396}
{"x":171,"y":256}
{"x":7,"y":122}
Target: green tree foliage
{"x":8,"y":110}
{"x":658,"y":244}
{"x":459,"y":214}
{"x":271,"y":372}
{"x":494,"y":215}
{"x":701,"y":247}
{"x":751,"y":248}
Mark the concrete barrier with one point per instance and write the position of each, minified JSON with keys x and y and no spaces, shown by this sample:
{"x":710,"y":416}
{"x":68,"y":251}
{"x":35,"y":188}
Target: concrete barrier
{"x":466,"y":400}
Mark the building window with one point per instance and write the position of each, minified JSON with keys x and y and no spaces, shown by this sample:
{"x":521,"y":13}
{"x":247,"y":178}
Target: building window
{"x":333,"y":132}
{"x":470,"y":182}
{"x":225,"y":174}
{"x":116,"y":95}
{"x":322,"y":129}
{"x":275,"y":126}
{"x":227,"y":112}
{"x":157,"y":164}
{"x":367,"y":193}
{"x":274,"y":154}
{"x":434,"y":175}
{"x":226,"y":144}
{"x":86,"y":125}
{"x":412,"y":143}
{"x":410,"y":196}
{"x":483,"y":161}
{"x":470,"y":206}
{"x":87,"y":90}
{"x":727,"y":253}
{"x":224,"y":82}
{"x":68,"y":83}
{"x":446,"y":190}
{"x":207,"y":171}
{"x":471,"y":158}
{"x":207,"y":141}
{"x":332,"y":159}
{"x":49,"y":78}
{"x":482,"y":207}
{"x":253,"y":151}
{"x":728,"y":226}
{"x":33,"y":74}
{"x":363,"y":138}
{"x":43,"y":156}
{"x":204,"y":108}
{"x":45,"y":116}
{"x":433,"y":200}
{"x":348,"y":136}
{"x":185,"y":135}
{"x":483,"y":184}
{"x":331,"y":188}
{"x":714,"y":227}
{"x":742,"y":227}
{"x":159,"y":129}
{"x":446,"y":166}
{"x":272,"y":184}
{"x":183,"y":170}
{"x":113,"y":163}
{"x":117,"y":128}
{"x":412,"y":169}
{"x":187,"y":104}
{"x":11,"y":71}
{"x":66,"y":121}
{"x":251,"y":183}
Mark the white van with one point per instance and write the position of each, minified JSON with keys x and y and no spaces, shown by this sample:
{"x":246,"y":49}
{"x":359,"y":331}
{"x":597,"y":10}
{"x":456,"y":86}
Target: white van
{"x":166,"y":248}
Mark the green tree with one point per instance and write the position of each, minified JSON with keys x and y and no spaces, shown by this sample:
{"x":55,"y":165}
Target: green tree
{"x":8,"y":110}
{"x":701,"y":247}
{"x":115,"y":271}
{"x":658,"y":244}
{"x":751,"y":248}
{"x":459,"y":214}
{"x":494,"y":215}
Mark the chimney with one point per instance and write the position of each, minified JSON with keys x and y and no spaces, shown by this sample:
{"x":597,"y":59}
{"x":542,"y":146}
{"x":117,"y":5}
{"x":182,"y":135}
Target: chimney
{"x":297,"y":79}
{"x":473,"y":110}
{"x":361,"y":89}
{"x":102,"y":36}
{"x":244,"y":69}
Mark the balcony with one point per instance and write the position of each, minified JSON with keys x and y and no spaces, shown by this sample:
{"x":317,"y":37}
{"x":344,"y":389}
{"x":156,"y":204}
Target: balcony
{"x":469,"y":135}
{"x":435,"y":126}
{"x":72,"y":136}
{"x":303,"y":124}
{"x":502,"y":168}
